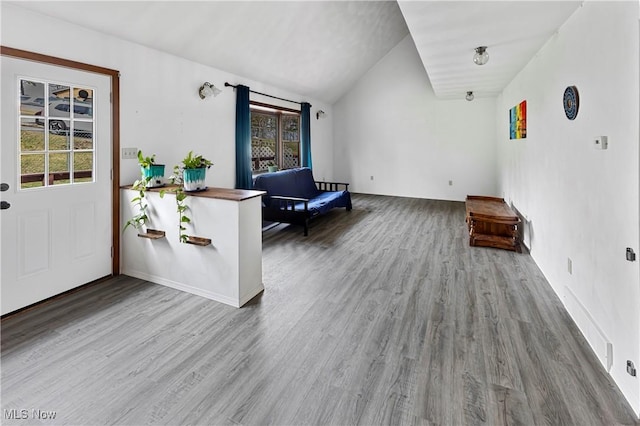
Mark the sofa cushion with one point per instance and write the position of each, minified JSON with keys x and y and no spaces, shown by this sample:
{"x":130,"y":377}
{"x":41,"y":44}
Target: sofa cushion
{"x":288,"y":183}
{"x":325,"y":201}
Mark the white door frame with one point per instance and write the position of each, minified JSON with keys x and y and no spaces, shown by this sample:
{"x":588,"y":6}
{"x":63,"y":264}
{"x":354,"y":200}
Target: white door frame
{"x":115,"y":134}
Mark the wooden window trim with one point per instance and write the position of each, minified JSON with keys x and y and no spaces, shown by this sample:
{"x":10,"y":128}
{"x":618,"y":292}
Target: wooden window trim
{"x":115,"y":133}
{"x":256,"y":103}
{"x":278,"y":112}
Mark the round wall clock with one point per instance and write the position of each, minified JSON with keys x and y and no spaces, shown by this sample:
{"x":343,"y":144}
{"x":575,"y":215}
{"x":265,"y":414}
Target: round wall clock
{"x":571,"y":102}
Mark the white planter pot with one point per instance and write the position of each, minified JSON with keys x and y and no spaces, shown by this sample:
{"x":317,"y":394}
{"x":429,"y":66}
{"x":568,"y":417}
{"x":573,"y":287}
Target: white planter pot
{"x":194,"y":179}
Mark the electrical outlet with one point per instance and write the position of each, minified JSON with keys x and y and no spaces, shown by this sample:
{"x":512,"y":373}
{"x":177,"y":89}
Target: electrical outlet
{"x":631,"y":255}
{"x":631,"y":369}
{"x":129,"y":153}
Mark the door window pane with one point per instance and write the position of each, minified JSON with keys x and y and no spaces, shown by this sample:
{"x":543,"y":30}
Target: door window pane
{"x":83,"y":167}
{"x":59,"y":101}
{"x":83,"y":103}
{"x":59,"y":138}
{"x":31,"y":170}
{"x":59,"y":168}
{"x":57,"y":126}
{"x":82,"y":135}
{"x":32,"y":98}
{"x":31,"y":135}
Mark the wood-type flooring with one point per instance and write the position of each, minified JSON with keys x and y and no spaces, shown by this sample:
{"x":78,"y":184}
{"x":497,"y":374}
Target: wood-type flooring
{"x":381,"y":316}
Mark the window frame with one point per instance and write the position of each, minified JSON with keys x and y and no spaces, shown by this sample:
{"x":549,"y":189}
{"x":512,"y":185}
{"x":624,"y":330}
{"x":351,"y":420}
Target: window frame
{"x":48,"y":176}
{"x":278,"y":112}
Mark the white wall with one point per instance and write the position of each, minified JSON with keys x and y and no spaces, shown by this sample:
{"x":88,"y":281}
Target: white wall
{"x":582,"y":202}
{"x":391,"y":126}
{"x":161,"y":111}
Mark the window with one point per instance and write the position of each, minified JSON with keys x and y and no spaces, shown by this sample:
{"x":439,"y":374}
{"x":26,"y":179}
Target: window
{"x":275,"y":137}
{"x":56,"y":143}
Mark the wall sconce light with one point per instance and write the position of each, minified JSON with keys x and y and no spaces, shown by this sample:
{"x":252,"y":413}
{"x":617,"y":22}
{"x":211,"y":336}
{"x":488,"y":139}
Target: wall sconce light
{"x":469,"y":96}
{"x":319,"y":114}
{"x":208,"y":89}
{"x":481,"y":56}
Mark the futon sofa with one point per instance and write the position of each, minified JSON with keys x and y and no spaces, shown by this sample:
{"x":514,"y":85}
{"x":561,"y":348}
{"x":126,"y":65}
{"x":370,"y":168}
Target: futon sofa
{"x":293,"y":196}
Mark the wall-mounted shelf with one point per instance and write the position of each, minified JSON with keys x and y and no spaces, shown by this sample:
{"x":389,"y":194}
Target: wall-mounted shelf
{"x":152,"y":234}
{"x":198,"y":241}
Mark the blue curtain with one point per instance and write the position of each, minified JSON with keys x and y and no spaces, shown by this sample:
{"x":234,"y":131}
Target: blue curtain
{"x":305,"y":134}
{"x":243,"y":139}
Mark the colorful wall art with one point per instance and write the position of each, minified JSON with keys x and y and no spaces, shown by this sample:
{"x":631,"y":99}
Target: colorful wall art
{"x":518,"y":121}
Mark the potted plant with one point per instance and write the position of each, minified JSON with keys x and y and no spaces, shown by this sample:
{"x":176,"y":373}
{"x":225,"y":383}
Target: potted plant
{"x":194,"y":170}
{"x":190,"y":176}
{"x":272,"y":167}
{"x":152,"y":172}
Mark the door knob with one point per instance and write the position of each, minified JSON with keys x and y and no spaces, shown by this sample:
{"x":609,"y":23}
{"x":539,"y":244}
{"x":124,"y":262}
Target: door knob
{"x":4,"y":187}
{"x":4,"y":205}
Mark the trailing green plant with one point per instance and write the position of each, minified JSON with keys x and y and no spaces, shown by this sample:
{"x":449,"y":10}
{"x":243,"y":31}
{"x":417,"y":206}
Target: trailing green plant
{"x":140,"y":219}
{"x":139,"y":201}
{"x":183,"y":219}
{"x":181,"y":208}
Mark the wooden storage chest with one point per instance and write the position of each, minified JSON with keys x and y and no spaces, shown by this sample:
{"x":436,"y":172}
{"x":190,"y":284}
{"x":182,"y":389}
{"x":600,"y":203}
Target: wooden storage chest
{"x":492,"y":223}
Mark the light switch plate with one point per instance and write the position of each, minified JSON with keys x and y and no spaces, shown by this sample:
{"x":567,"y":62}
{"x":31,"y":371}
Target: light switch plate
{"x":129,"y":153}
{"x":601,"y":142}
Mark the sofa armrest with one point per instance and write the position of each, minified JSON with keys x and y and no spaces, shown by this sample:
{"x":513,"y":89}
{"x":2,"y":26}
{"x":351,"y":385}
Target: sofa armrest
{"x":331,"y":186}
{"x":289,"y":203}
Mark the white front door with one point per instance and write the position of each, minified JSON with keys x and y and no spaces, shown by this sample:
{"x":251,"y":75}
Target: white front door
{"x":55,"y":155}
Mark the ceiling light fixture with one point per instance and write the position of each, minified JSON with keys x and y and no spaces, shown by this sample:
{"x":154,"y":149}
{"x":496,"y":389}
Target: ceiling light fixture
{"x":469,"y":96}
{"x":481,"y":56}
{"x":208,"y":89}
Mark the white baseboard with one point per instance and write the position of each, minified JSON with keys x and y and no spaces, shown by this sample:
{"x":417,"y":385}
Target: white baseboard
{"x":194,"y":290}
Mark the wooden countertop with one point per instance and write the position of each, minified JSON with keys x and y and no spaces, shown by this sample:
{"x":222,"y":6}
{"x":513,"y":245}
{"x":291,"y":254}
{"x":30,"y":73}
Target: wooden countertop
{"x":218,"y":193}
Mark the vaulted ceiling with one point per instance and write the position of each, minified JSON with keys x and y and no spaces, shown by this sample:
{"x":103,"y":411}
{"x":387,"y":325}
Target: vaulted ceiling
{"x":320,"y":48}
{"x":446,"y":34}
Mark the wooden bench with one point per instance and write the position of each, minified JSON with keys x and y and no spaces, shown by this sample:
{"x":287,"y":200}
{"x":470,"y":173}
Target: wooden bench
{"x":492,"y":223}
